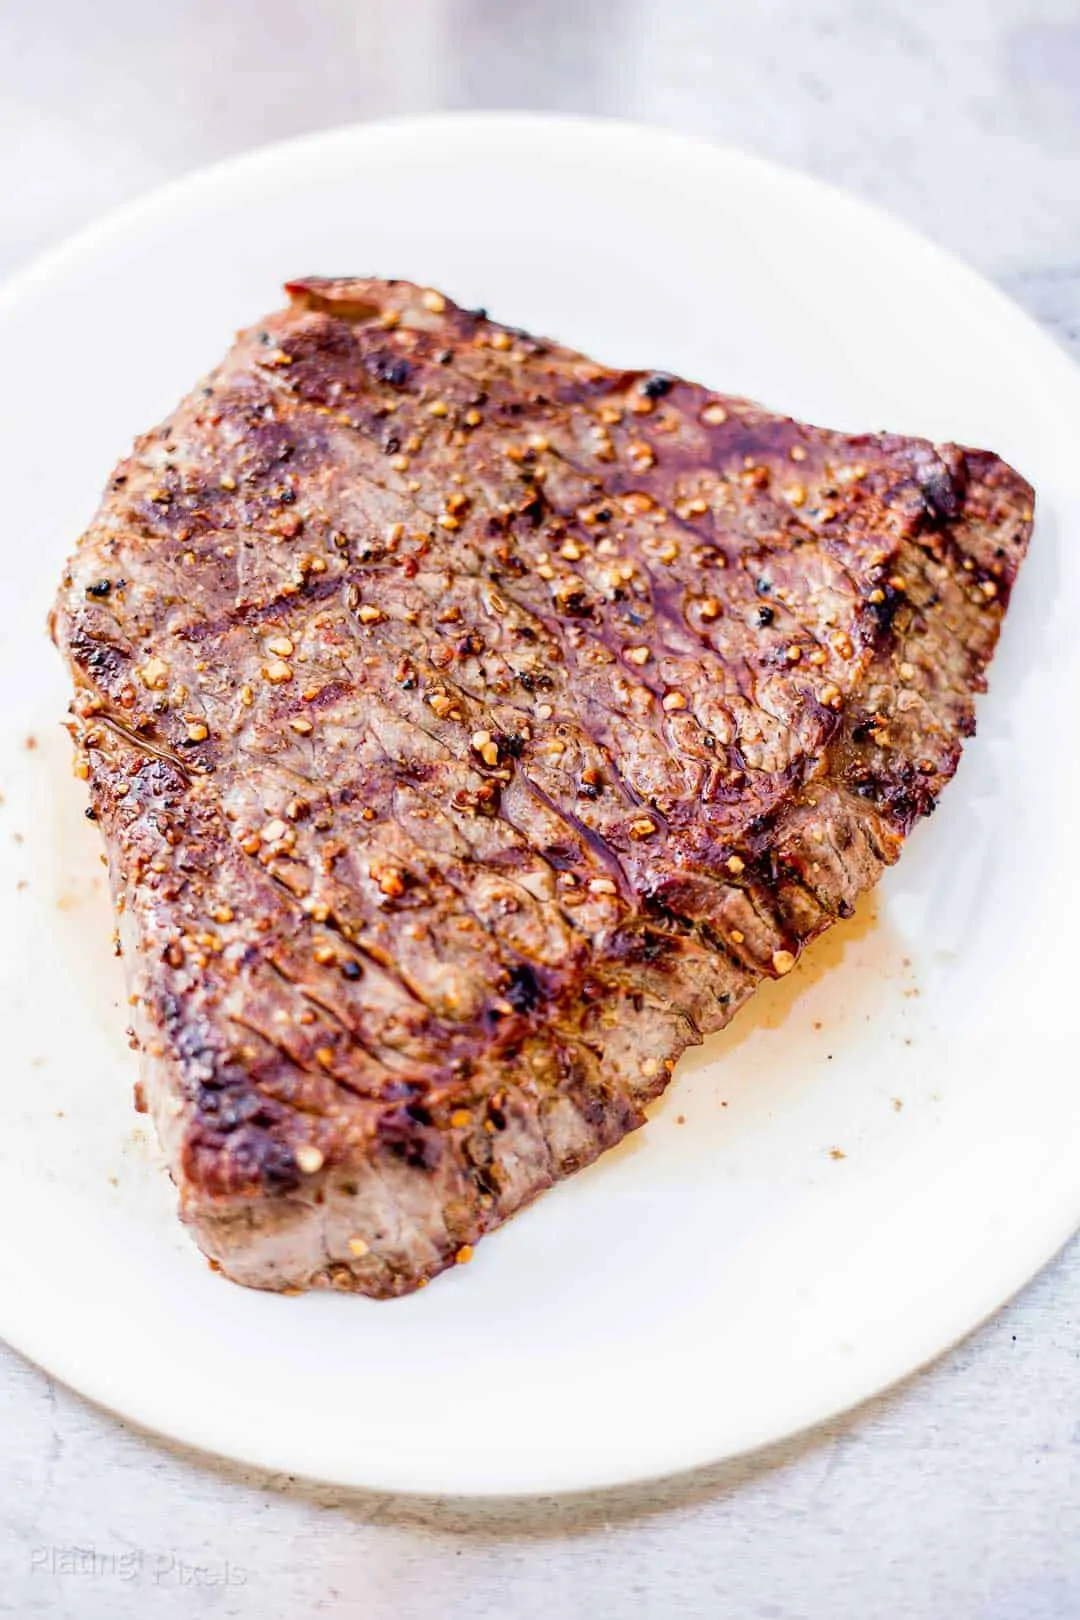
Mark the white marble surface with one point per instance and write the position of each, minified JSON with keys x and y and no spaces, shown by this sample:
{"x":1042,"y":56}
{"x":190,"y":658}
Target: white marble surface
{"x":957,"y":1495}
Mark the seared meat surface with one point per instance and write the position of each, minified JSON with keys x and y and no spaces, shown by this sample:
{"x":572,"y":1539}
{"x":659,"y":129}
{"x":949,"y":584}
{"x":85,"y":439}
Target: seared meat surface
{"x":472,"y":728}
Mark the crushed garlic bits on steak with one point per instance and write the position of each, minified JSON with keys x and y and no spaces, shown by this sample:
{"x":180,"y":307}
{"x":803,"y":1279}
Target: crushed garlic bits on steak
{"x":472,"y":728}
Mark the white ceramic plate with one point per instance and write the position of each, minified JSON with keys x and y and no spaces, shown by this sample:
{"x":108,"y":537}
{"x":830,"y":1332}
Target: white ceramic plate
{"x":725,"y":1277}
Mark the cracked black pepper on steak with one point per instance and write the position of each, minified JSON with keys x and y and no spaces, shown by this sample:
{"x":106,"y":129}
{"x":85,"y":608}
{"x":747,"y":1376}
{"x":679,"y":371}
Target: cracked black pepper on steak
{"x":472,"y":728}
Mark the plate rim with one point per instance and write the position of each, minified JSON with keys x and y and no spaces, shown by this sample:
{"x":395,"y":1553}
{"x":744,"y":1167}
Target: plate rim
{"x":149,"y":1406}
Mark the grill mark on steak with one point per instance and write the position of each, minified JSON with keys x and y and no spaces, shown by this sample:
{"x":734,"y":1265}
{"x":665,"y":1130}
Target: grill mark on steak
{"x":333,"y":1013}
{"x":350,"y":928}
{"x":502,"y":815}
{"x":607,"y":856}
{"x":599,"y":731}
{"x":373,"y":953}
{"x":549,"y":621}
{"x":535,"y":793}
{"x":143,"y":745}
{"x":593,"y":841}
{"x":603,"y":736}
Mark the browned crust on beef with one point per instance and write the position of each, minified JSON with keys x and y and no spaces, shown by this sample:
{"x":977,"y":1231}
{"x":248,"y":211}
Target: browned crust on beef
{"x":472,"y":728}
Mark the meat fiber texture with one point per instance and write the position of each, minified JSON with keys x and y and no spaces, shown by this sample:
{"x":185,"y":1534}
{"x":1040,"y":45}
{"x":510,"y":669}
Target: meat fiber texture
{"x":472,"y":728}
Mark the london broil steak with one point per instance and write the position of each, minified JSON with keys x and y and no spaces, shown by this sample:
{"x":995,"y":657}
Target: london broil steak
{"x":472,"y":728}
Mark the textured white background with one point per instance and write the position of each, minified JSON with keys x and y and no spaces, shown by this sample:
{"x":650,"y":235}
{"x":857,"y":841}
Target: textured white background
{"x":956,"y":1496}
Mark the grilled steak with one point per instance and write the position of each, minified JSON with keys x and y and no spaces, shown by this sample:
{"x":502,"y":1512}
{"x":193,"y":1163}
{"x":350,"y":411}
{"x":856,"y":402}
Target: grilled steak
{"x":472,"y":728}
